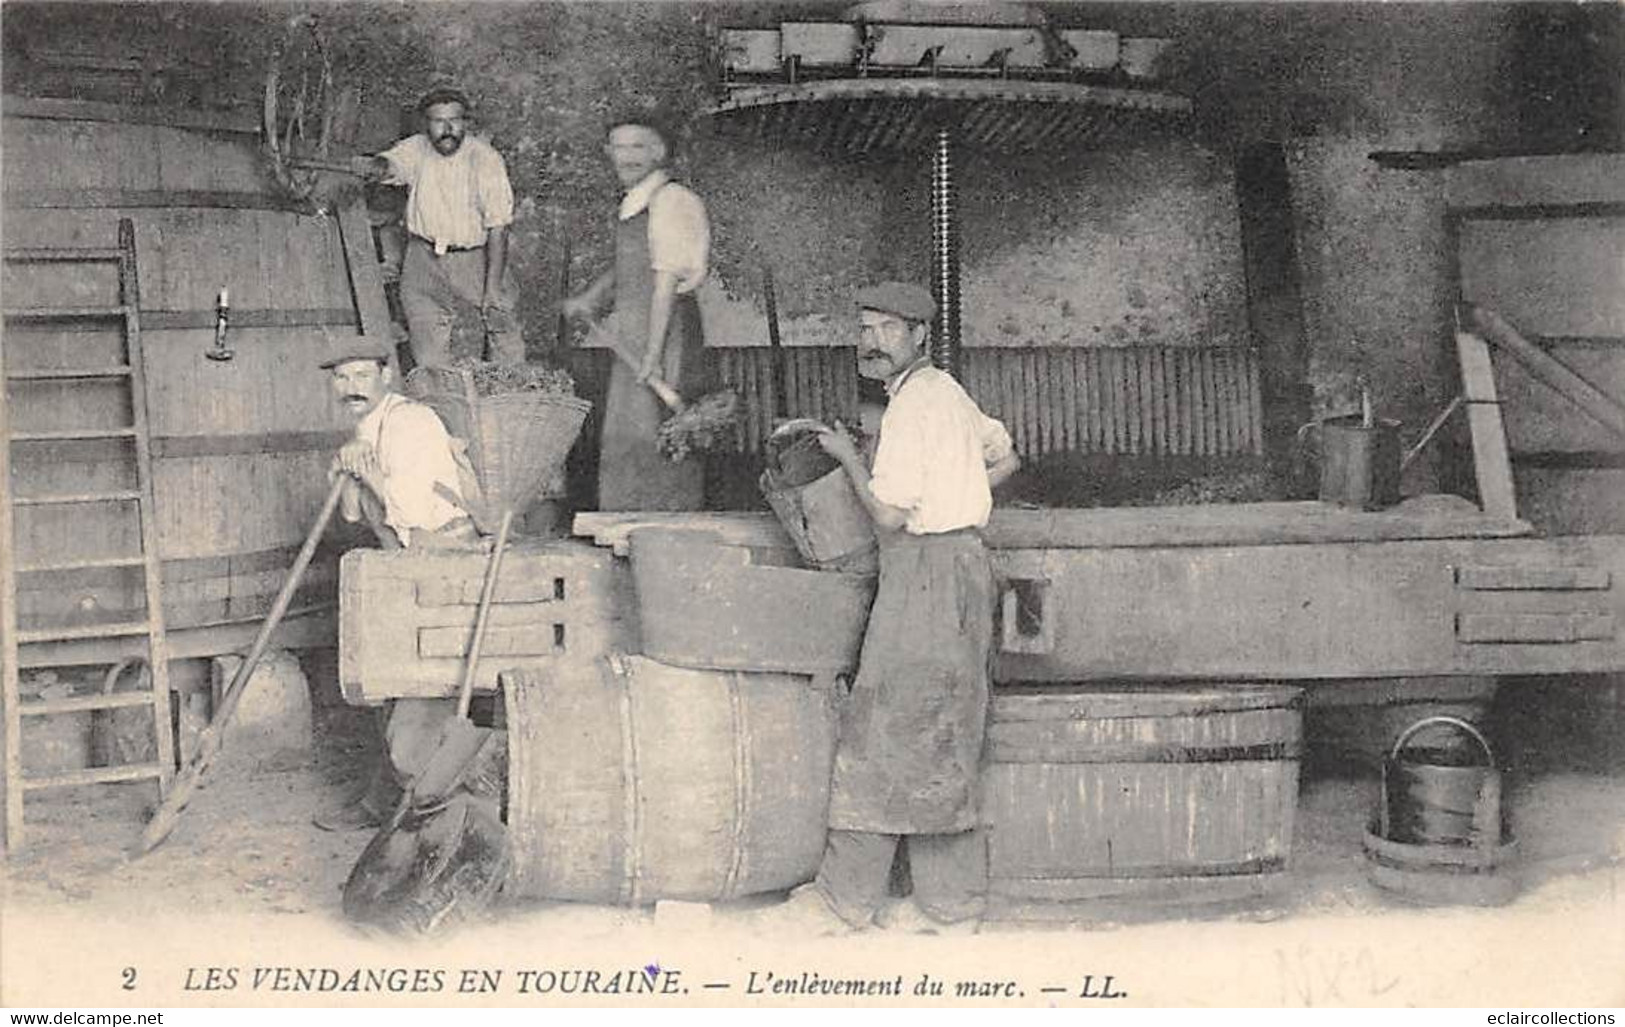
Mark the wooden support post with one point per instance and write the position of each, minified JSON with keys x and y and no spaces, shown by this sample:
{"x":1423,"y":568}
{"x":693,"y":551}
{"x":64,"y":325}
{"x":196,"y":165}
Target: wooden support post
{"x":1491,"y":463}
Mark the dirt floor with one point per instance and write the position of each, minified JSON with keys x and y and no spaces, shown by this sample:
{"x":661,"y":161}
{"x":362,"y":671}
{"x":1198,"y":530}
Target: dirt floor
{"x":246,"y":881}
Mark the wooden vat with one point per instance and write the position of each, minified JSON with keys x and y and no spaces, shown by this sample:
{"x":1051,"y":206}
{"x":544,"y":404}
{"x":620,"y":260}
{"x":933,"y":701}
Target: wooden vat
{"x":633,"y":782}
{"x":240,"y":448}
{"x":1106,"y":800}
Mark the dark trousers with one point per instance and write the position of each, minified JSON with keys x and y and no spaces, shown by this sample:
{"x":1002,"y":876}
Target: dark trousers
{"x":949,"y":872}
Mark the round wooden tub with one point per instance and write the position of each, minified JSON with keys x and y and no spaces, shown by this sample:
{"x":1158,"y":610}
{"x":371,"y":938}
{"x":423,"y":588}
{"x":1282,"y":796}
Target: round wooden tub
{"x":1138,"y":797}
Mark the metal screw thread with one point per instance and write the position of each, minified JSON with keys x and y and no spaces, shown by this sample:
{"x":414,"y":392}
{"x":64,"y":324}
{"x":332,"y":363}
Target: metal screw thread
{"x":944,"y":255}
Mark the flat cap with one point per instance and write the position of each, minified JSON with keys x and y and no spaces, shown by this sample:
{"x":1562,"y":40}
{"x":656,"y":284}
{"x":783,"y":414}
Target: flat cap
{"x":904,"y":299}
{"x":361,"y":348}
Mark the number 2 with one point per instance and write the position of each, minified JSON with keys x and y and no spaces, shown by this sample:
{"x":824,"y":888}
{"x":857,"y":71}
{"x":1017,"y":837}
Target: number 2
{"x":128,"y":973}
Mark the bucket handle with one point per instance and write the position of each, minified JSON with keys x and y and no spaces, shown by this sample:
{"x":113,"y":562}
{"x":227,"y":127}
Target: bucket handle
{"x":1384,"y":815}
{"x":1456,"y":722}
{"x":117,"y":670}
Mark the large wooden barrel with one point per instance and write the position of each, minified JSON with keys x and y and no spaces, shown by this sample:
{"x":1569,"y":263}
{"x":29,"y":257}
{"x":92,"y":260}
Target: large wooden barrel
{"x":1140,"y":795}
{"x":239,"y":448}
{"x":631,"y":781}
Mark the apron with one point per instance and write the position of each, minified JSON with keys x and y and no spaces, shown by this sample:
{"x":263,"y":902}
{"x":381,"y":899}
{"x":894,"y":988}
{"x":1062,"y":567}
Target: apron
{"x":908,"y":757}
{"x":632,"y":472}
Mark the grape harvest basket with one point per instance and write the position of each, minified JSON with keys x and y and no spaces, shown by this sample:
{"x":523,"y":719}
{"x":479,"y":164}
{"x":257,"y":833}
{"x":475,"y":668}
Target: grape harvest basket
{"x":517,"y":440}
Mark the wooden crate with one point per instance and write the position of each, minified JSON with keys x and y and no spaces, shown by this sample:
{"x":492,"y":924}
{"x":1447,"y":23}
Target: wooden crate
{"x":405,"y":617}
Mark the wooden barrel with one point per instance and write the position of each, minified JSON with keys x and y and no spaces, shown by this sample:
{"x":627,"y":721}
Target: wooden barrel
{"x":630,"y":781}
{"x":1145,"y":795}
{"x":239,"y":448}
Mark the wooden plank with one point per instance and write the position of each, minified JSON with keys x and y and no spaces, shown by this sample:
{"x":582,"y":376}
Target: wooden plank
{"x":144,"y":199}
{"x":307,"y":317}
{"x":174,"y":446}
{"x":1120,"y":409}
{"x":1089,"y":392}
{"x":1491,"y":464}
{"x":1318,"y":611}
{"x":1028,"y":535}
{"x":1032,"y":417}
{"x":366,"y":280}
{"x":1596,"y":404}
{"x":1066,"y":369}
{"x":9,"y":685}
{"x":50,"y":109}
{"x":1159,"y":400}
{"x":1255,"y":402}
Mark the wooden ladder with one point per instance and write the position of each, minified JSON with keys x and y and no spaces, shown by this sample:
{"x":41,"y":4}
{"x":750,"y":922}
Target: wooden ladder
{"x":129,"y":372}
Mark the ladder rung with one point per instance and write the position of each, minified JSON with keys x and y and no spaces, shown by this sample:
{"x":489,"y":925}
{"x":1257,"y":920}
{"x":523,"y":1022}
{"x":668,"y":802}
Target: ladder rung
{"x":47,"y":374}
{"x":95,"y":776}
{"x":66,"y":313}
{"x":41,"y":254}
{"x":92,"y":563}
{"x":100,"y":701}
{"x":72,"y":434}
{"x":69,"y":498}
{"x":112,"y":629}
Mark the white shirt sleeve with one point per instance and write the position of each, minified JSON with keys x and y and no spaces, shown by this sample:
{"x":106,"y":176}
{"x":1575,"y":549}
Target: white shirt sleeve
{"x":679,"y":235}
{"x":995,"y":439}
{"x":493,"y":191}
{"x":403,"y":159}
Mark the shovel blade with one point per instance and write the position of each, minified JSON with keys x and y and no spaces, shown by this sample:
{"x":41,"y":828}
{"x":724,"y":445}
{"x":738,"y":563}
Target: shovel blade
{"x":460,"y":742}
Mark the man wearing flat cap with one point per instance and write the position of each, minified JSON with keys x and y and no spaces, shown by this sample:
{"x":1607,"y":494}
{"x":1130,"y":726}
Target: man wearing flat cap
{"x":662,"y":255}
{"x":401,"y":474}
{"x":459,"y":205}
{"x":908,"y":755}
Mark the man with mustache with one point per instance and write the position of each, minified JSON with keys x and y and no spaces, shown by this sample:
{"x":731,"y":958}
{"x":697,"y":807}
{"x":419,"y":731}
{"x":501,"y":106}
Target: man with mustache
{"x":401,"y":475}
{"x":908,"y":754}
{"x":458,"y":209}
{"x":662,"y":254}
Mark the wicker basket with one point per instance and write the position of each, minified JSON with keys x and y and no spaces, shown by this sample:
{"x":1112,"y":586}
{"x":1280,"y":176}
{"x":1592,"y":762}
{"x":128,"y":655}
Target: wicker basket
{"x":517,"y":441}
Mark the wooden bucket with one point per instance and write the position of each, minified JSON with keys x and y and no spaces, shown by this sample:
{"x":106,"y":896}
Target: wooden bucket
{"x":818,"y":507}
{"x":1445,"y":801}
{"x":1106,"y":801}
{"x":630,"y":781}
{"x":1437,"y":837}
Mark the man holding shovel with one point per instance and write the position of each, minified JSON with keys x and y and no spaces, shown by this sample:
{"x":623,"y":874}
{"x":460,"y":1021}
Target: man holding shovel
{"x":458,"y":209}
{"x":401,"y":476}
{"x":662,"y":254}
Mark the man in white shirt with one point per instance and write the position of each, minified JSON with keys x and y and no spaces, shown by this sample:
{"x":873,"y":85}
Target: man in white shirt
{"x":458,"y":209}
{"x":401,"y":476}
{"x":908,"y":754}
{"x":662,"y":255}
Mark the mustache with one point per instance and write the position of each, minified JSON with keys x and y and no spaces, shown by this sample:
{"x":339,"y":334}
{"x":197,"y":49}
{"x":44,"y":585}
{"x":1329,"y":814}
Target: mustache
{"x":356,"y":395}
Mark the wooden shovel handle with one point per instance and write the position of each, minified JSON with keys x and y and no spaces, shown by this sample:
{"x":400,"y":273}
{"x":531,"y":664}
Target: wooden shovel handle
{"x":471,"y":666}
{"x":169,"y":811}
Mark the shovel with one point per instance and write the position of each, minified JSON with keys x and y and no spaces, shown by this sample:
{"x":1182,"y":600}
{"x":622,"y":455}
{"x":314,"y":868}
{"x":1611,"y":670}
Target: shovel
{"x":460,"y":740}
{"x":208,"y":744}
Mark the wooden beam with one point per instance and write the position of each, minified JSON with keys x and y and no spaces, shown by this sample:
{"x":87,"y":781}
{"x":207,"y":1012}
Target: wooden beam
{"x":8,"y":642}
{"x":236,"y":123}
{"x":146,"y":199}
{"x":177,"y":446}
{"x":304,"y":317}
{"x":1590,"y":400}
{"x":366,"y":280}
{"x":1491,"y":464}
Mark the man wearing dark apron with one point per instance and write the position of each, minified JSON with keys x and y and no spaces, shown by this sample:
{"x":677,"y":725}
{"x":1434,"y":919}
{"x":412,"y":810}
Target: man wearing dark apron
{"x":909,"y":751}
{"x":662,"y":250}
